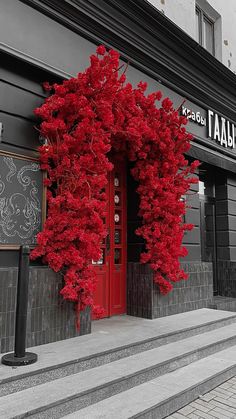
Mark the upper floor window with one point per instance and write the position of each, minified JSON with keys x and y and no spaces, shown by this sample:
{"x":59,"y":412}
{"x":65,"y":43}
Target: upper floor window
{"x":205,"y":33}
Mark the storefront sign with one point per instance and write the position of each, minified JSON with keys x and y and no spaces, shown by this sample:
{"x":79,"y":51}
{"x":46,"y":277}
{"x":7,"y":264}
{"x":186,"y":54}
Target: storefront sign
{"x":193,"y":116}
{"x":221,"y":130}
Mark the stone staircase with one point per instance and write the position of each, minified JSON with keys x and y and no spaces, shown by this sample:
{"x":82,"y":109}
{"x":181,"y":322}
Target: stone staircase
{"x":127,"y":368}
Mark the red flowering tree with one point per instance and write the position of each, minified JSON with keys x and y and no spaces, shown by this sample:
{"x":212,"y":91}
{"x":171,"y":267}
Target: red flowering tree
{"x":82,"y":121}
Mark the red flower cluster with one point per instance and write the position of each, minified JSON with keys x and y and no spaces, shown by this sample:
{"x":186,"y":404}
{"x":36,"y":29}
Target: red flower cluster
{"x":83,"y":119}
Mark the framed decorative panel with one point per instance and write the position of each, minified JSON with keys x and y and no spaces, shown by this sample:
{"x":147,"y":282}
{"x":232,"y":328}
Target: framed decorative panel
{"x":22,"y":200}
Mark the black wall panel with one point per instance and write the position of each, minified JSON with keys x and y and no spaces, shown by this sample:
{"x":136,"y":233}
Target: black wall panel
{"x":191,"y":239}
{"x":193,"y":216}
{"x":19,"y":132}
{"x":20,"y":92}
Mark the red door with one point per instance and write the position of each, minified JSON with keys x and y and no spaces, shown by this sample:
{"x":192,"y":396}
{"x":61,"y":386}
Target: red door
{"x":111,"y":268}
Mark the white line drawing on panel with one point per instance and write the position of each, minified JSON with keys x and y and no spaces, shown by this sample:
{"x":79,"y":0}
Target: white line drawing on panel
{"x":20,"y":207}
{"x":9,"y":162}
{"x":26,"y":180}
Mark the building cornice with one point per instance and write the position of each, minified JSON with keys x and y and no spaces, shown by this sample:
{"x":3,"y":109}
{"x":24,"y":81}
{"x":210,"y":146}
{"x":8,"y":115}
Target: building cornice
{"x":152,"y":43}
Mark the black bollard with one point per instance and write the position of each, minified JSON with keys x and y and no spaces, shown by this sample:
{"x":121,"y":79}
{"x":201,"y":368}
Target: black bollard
{"x":20,"y":357}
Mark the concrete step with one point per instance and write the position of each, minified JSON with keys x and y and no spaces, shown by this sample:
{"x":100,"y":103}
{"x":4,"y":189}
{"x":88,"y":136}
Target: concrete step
{"x":160,"y":397}
{"x":57,"y":398}
{"x":111,"y":340}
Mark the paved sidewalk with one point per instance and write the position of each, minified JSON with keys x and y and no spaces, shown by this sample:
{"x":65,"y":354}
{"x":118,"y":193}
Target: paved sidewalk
{"x":219,"y":403}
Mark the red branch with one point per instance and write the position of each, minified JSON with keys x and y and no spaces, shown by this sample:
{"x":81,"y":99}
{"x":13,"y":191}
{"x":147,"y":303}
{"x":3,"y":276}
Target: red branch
{"x":83,"y":119}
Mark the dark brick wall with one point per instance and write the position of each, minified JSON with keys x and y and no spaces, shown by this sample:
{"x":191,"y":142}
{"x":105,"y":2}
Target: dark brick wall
{"x":145,"y":300}
{"x":49,"y":318}
{"x":223,"y":303}
{"x":227,"y":278}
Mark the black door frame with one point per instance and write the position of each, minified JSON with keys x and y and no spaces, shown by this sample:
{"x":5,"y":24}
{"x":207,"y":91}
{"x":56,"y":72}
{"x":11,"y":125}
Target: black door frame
{"x":203,"y":199}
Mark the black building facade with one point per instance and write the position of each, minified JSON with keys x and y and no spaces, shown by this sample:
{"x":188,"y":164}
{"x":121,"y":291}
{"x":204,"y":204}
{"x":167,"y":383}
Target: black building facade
{"x":50,"y":40}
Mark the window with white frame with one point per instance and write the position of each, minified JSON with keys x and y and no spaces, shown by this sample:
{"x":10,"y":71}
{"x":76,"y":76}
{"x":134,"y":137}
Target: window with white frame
{"x":205,"y":31}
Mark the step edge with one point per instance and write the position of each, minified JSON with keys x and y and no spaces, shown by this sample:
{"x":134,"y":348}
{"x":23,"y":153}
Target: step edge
{"x":188,"y":390}
{"x":92,"y":390}
{"x":113,"y":350}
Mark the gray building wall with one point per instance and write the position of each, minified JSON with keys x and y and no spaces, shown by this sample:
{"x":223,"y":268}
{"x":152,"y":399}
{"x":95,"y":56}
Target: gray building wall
{"x":182,"y":13}
{"x":28,"y":33}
